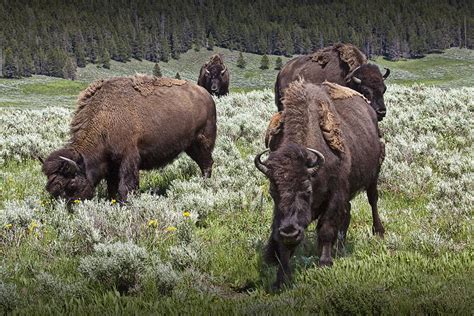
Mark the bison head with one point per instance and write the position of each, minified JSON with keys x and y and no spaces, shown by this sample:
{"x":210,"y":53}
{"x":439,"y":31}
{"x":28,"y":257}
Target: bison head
{"x":368,"y":80}
{"x":65,"y":169}
{"x":289,"y":170}
{"x":214,"y":77}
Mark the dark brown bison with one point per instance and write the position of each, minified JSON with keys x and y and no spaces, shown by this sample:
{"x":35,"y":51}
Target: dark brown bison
{"x":123,"y":125}
{"x":327,"y":149}
{"x":214,"y":76}
{"x":343,"y":64}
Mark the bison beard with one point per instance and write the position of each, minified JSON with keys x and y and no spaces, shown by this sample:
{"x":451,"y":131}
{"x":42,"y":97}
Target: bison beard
{"x":310,"y":177}
{"x":124,"y":125}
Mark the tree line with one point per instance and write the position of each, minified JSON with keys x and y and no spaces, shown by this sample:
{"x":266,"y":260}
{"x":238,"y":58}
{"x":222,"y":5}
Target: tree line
{"x":53,"y":37}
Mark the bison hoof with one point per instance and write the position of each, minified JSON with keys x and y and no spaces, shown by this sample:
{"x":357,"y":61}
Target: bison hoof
{"x":378,"y":231}
{"x":325,"y":262}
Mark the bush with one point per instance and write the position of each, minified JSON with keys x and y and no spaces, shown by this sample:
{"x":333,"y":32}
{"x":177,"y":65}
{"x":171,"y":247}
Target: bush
{"x":115,"y":265}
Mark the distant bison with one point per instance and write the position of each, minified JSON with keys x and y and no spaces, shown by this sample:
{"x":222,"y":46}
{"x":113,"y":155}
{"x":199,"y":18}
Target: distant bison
{"x":325,"y":150}
{"x":214,"y":76}
{"x":343,"y":64}
{"x":126,"y":124}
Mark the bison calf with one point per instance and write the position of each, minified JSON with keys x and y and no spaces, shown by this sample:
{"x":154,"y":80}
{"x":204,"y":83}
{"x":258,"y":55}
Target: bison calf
{"x":123,"y":125}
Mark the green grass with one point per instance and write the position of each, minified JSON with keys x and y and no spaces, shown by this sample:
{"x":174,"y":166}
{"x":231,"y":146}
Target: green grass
{"x":452,"y":68}
{"x":423,"y":266}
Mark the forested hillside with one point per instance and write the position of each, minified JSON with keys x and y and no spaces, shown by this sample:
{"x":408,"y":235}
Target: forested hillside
{"x":54,"y":37}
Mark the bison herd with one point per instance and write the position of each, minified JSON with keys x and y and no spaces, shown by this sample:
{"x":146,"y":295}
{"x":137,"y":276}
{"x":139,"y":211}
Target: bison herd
{"x":324,"y":144}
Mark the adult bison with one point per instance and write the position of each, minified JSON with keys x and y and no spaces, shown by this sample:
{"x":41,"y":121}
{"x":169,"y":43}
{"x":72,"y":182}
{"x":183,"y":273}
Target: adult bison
{"x":126,"y":124}
{"x":214,"y":76}
{"x":343,"y":64}
{"x":326,"y":150}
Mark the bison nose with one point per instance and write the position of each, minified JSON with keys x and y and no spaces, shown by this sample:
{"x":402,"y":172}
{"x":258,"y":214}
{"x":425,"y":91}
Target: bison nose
{"x":290,"y":234}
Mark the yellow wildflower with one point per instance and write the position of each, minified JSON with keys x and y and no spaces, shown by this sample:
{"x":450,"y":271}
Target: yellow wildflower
{"x":171,"y":229}
{"x":152,"y":223}
{"x":32,"y":226}
{"x":77,"y":201}
{"x":186,"y":214}
{"x":113,"y":201}
{"x":8,"y":226}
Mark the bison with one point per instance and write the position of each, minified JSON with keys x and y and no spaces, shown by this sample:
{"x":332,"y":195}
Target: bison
{"x":126,"y":124}
{"x":343,"y":64}
{"x":214,"y":76}
{"x":327,"y":148}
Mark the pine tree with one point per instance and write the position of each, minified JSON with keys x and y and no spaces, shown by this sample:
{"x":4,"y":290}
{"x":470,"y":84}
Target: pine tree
{"x":210,"y":42}
{"x":69,"y":69}
{"x":157,"y":71}
{"x":278,"y":63}
{"x":241,"y":61}
{"x":106,"y":60}
{"x":10,"y":68}
{"x":264,"y":63}
{"x":177,"y":76}
{"x":164,"y":50}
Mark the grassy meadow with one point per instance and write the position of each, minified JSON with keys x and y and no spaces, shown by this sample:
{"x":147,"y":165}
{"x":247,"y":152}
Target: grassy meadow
{"x":188,"y":245}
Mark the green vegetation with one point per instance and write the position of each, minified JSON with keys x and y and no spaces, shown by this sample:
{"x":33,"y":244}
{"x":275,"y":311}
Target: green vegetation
{"x":49,"y":37}
{"x":187,"y":245}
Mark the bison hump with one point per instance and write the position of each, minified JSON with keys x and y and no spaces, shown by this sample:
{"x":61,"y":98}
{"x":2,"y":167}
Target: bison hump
{"x":348,"y":53}
{"x":147,"y":84}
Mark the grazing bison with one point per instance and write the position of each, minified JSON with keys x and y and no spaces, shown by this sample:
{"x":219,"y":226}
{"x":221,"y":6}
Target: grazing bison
{"x":343,"y":64}
{"x":327,"y":149}
{"x":126,"y":124}
{"x":214,"y":76}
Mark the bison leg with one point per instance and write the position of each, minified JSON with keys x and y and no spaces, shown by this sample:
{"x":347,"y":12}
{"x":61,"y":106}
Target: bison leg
{"x":201,"y":152}
{"x":284,"y":269}
{"x":128,"y":174}
{"x":112,"y":184}
{"x":328,"y":228}
{"x":346,"y":220}
{"x":373,"y":197}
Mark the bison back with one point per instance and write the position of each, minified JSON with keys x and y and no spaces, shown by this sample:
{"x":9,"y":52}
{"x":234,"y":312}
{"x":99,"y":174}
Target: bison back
{"x":159,"y":119}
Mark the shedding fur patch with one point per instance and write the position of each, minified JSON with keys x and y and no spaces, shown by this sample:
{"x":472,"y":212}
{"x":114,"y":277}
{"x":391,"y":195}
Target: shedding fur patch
{"x":146,"y":84}
{"x":348,"y":53}
{"x":330,"y":128}
{"x":274,"y":127}
{"x":337,"y":92}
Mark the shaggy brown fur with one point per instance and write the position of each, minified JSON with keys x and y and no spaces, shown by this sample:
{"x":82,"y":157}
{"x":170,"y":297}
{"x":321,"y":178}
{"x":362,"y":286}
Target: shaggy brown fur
{"x":339,"y":64}
{"x":348,"y":53}
{"x":125,"y":124}
{"x":274,"y":127}
{"x":214,"y":76}
{"x":340,"y":92}
{"x":300,"y":195}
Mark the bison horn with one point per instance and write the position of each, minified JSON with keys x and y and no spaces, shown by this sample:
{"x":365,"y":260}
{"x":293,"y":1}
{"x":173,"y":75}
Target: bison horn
{"x":319,"y":162}
{"x":356,"y":80}
{"x":207,"y":71}
{"x":387,"y":73}
{"x":259,"y":164}
{"x":224,"y":70}
{"x":71,"y":162}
